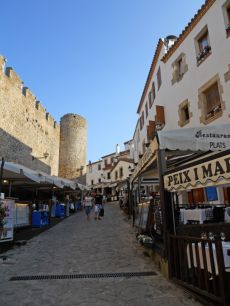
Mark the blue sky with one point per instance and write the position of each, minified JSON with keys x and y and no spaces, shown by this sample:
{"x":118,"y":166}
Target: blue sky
{"x":90,"y":57}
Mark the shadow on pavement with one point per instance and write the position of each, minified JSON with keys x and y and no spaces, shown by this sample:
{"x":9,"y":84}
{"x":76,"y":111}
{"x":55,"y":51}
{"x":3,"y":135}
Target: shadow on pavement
{"x":21,"y":235}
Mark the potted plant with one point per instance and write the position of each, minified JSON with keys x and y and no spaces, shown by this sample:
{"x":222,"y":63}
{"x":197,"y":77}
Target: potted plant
{"x":228,"y":29}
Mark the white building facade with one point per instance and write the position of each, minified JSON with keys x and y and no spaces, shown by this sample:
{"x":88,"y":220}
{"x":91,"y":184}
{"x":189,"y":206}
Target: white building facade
{"x":188,"y":84}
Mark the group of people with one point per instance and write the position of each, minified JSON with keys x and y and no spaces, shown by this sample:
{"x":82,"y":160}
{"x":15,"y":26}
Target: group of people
{"x":95,"y":202}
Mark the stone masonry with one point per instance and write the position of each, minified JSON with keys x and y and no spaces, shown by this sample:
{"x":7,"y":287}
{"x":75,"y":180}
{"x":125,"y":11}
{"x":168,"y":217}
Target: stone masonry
{"x":27,"y":130}
{"x":72,"y":146}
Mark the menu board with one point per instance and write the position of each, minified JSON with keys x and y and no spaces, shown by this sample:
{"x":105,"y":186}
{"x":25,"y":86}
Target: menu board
{"x":142,"y":215}
{"x":7,"y":231}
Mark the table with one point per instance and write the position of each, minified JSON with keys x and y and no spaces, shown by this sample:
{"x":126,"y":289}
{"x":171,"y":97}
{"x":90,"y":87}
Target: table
{"x":197,"y":214}
{"x":226,"y":254}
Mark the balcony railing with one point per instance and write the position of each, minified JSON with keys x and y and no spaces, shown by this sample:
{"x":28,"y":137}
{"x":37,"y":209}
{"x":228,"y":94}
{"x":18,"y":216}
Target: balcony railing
{"x":202,"y":55}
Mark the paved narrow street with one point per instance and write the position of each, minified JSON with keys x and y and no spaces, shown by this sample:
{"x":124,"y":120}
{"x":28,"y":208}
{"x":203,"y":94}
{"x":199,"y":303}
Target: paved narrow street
{"x":78,"y":246}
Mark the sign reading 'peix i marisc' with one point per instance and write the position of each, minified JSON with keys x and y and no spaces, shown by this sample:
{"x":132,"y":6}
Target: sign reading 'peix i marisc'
{"x":211,"y":138}
{"x":213,"y":172}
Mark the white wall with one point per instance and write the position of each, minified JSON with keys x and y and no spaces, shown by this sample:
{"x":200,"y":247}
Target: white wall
{"x":93,"y":174}
{"x":121,"y":164}
{"x":170,"y":96}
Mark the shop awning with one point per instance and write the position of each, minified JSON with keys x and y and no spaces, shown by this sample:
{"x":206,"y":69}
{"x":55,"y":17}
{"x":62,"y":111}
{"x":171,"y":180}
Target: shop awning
{"x":19,"y":173}
{"x":112,"y":185}
{"x":82,"y":187}
{"x":122,"y":184}
{"x":149,"y":181}
{"x":207,"y":138}
{"x":148,"y":157}
{"x":212,"y":170}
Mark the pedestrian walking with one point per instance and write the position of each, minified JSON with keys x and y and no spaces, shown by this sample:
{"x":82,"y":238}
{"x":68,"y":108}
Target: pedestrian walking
{"x":98,"y":205}
{"x":88,"y":204}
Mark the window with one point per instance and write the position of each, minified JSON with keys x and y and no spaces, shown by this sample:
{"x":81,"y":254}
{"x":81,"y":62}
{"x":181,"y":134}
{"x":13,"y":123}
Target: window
{"x":179,"y":68}
{"x":116,"y":175}
{"x":99,"y":166}
{"x":91,"y":182}
{"x":159,"y":81}
{"x":203,"y":48}
{"x":120,"y":172}
{"x":212,"y":97}
{"x":108,"y":175}
{"x":99,"y":180}
{"x":226,"y":11}
{"x":210,"y":100}
{"x":228,"y":14}
{"x":150,"y":100}
{"x":184,"y":114}
{"x":106,"y":162}
{"x":146,"y":110}
{"x":153,"y":92}
{"x":142,"y":120}
{"x":203,"y":42}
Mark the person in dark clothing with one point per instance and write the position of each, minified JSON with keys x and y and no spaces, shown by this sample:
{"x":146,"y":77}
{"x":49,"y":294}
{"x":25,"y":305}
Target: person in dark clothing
{"x":98,"y":205}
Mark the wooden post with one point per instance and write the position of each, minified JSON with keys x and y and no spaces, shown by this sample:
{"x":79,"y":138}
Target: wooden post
{"x":10,"y":188}
{"x":129,"y":197}
{"x":1,"y":174}
{"x":165,"y":200}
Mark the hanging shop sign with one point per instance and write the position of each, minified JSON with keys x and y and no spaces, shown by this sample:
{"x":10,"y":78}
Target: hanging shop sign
{"x":208,"y":138}
{"x":211,"y":173}
{"x":148,"y":157}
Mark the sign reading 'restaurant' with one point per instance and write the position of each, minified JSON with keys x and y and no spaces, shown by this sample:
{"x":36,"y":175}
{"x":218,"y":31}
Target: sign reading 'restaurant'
{"x":208,"y":138}
{"x":213,"y":172}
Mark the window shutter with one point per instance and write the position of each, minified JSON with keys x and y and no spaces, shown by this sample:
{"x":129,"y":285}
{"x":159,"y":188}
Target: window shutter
{"x":151,"y":130}
{"x":184,"y":66}
{"x":160,"y":115}
{"x":150,"y":99}
{"x":175,"y":74}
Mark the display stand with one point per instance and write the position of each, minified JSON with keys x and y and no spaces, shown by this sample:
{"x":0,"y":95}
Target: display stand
{"x":60,"y":211}
{"x":40,"y":218}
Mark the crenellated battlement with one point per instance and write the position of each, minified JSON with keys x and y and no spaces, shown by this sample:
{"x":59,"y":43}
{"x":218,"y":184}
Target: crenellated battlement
{"x":28,"y":131}
{"x":12,"y":75}
{"x":28,"y":94}
{"x":25,"y":95}
{"x":2,"y":63}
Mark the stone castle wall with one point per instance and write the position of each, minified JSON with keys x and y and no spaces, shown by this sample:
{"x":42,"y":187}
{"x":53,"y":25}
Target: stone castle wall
{"x":26,"y":128}
{"x":72,"y":157}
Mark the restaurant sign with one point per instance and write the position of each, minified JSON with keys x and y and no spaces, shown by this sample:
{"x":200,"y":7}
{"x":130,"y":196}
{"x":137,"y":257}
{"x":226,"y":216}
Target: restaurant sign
{"x":208,"y":138}
{"x":210,"y":173}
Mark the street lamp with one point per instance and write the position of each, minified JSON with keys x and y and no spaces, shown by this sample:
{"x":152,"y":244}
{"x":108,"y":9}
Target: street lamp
{"x":45,"y":155}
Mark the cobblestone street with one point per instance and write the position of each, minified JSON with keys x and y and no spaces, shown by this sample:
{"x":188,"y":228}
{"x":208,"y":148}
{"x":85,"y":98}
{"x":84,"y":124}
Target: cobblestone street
{"x":78,"y":246}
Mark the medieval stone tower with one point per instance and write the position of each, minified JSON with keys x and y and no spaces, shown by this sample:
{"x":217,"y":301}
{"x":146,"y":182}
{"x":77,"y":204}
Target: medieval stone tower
{"x":72,"y":152}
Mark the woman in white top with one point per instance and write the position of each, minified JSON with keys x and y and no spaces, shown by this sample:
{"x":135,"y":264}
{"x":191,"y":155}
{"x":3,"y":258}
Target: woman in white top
{"x":88,"y":204}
